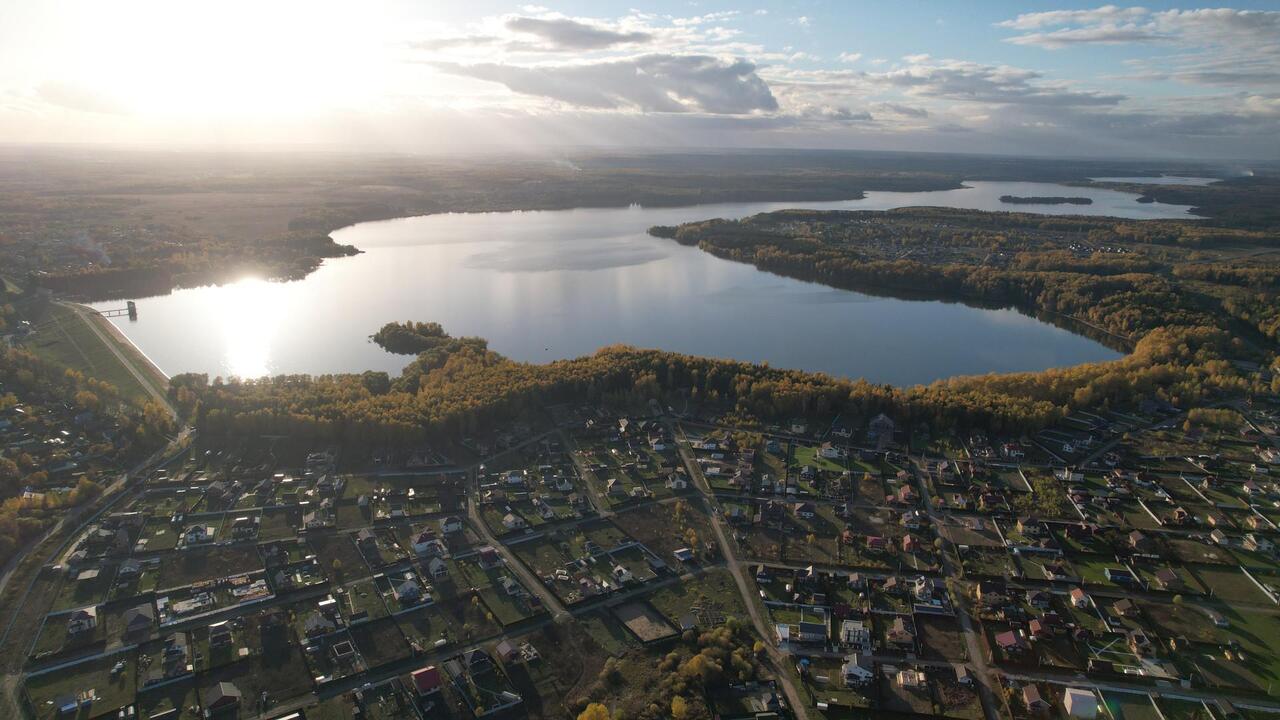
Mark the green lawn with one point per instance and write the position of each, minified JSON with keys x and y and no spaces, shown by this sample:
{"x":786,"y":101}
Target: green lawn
{"x":64,"y":337}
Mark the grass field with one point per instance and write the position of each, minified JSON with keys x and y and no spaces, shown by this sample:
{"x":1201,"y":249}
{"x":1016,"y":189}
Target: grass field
{"x":63,"y":336}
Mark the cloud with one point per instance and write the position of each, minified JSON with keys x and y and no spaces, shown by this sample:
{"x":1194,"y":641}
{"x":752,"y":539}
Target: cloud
{"x":1215,"y":46}
{"x":900,"y":109}
{"x":848,"y":57}
{"x":964,"y":81}
{"x":448,"y":43}
{"x":73,"y":96}
{"x":1101,"y":35}
{"x":652,"y":83}
{"x":569,"y":34}
{"x":1052,"y":18}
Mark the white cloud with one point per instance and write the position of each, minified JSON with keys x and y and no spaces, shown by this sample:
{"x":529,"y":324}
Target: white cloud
{"x":570,"y":34}
{"x":848,"y":57}
{"x":651,"y":83}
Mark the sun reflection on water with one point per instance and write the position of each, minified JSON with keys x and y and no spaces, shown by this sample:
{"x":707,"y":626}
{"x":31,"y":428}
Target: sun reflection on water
{"x":250,"y":320}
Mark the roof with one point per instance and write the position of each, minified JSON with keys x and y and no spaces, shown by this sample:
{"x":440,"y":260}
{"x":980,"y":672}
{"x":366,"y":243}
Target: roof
{"x":426,"y":679}
{"x":220,"y":694}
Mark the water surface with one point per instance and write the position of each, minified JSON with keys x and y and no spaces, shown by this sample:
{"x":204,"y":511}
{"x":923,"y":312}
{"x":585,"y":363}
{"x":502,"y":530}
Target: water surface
{"x":556,"y":284}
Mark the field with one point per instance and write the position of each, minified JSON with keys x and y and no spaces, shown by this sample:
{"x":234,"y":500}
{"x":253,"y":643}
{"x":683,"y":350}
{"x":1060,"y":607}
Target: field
{"x":63,"y":336}
{"x":642,"y":620}
{"x":1229,"y":584}
{"x":1130,"y":706}
{"x":712,"y":595}
{"x":112,"y":685}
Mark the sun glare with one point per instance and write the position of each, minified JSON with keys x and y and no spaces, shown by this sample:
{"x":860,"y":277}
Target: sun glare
{"x":206,"y":61}
{"x":251,"y":322}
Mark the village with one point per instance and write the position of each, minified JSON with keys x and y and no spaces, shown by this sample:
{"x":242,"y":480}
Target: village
{"x":1119,"y":565}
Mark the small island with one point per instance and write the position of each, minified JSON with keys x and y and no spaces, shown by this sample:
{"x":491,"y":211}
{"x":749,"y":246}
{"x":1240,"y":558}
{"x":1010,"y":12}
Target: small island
{"x":1046,"y":200}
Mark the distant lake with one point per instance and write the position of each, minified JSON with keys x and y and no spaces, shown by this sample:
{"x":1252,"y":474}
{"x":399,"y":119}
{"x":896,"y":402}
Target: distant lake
{"x":546,"y":285}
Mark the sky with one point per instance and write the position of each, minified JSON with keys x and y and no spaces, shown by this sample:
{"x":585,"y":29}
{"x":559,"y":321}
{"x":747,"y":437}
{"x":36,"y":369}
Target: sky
{"x":1045,"y":78}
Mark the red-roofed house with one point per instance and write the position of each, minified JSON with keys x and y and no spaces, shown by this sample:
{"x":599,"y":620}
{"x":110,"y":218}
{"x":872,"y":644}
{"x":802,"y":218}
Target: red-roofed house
{"x":426,"y":680}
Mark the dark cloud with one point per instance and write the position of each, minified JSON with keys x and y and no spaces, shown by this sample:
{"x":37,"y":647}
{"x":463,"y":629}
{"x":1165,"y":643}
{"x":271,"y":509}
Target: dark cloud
{"x":656,"y":83}
{"x":567,"y":34}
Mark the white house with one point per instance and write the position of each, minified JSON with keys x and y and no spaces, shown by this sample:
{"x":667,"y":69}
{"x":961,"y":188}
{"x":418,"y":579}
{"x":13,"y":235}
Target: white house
{"x":511,"y":521}
{"x":1080,"y":703}
{"x":856,"y":671}
{"x":855,"y":636}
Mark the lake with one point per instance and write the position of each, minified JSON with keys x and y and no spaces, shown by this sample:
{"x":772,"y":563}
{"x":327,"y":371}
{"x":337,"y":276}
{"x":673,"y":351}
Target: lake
{"x":544,"y":285}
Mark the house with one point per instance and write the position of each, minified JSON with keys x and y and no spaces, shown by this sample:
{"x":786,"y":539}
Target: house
{"x":812,"y":632}
{"x":990,"y":592}
{"x":318,"y":623}
{"x":923,"y":588}
{"x":1258,"y":543}
{"x":1168,"y":579}
{"x":899,"y":633}
{"x":82,"y":620}
{"x":1140,"y":644}
{"x":476,"y":662}
{"x":367,"y":541}
{"x":222,"y":696}
{"x":805,"y":510}
{"x":857,"y":670}
{"x":197,"y":534}
{"x":220,"y":634}
{"x":489,"y":558}
{"x":139,"y":620}
{"x":683,"y":554}
{"x":451,"y":525}
{"x":511,"y":521}
{"x":912,"y":679}
{"x":677,"y":482}
{"x":426,"y":681}
{"x":1125,"y":607}
{"x":437,"y":568}
{"x":855,"y":636}
{"x":914,"y":519}
{"x":1219,"y":537}
{"x":1032,"y":700}
{"x":830,"y":452}
{"x":1119,"y":576}
{"x":876,"y":543}
{"x":910,"y":544}
{"x":1039,"y":599}
{"x":906,"y":495}
{"x":427,"y":545}
{"x":408,"y":591}
{"x":1080,"y":703}
{"x":963,"y":676}
{"x":1011,"y":641}
{"x":507,"y":651}
{"x":1039,"y":629}
{"x":622,"y":574}
{"x":1141,"y":542}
